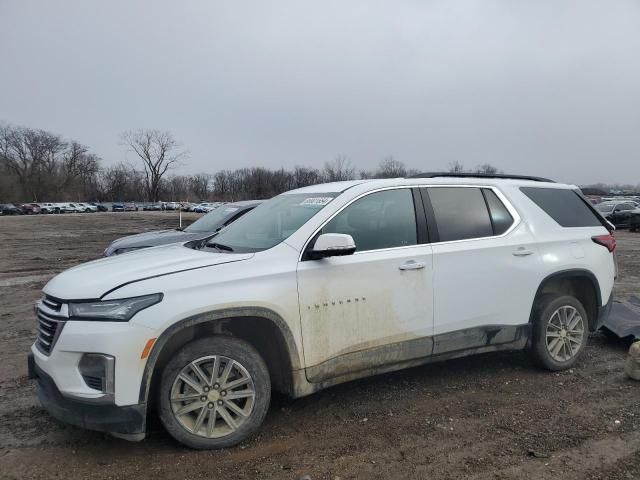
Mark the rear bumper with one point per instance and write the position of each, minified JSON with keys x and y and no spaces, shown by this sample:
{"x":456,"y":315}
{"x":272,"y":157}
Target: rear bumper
{"x":603,"y":313}
{"x":128,"y":420}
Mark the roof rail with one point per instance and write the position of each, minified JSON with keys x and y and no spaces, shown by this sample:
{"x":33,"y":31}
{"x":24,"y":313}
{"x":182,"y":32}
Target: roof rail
{"x":479,"y":175}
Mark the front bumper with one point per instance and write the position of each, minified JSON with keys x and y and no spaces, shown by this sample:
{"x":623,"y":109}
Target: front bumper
{"x":125,"y":420}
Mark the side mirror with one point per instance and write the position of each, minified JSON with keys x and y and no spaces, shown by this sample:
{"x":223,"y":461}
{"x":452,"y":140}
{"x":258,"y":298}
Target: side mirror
{"x":332,"y":245}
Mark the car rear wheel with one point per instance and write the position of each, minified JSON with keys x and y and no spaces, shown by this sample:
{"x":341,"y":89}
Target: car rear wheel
{"x":560,"y":331}
{"x":214,"y":393}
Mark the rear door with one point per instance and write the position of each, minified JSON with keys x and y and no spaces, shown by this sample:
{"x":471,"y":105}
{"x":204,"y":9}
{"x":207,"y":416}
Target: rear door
{"x":483,"y":258}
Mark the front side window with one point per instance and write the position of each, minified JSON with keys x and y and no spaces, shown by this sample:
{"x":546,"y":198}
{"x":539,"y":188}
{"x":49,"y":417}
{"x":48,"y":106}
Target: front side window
{"x":383,"y":219}
{"x":271,"y":222}
{"x":461,"y":213}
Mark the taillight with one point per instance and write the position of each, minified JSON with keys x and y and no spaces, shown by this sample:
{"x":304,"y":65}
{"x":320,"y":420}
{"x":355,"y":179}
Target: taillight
{"x":607,"y":241}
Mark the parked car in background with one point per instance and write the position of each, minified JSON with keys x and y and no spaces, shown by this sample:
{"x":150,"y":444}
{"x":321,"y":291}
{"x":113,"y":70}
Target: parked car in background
{"x":70,"y":208}
{"x":617,"y":212}
{"x":634,"y":221}
{"x":320,"y":286}
{"x":117,"y":207}
{"x":30,"y":208}
{"x":152,"y":207}
{"x":130,"y":207}
{"x":99,"y":206}
{"x":202,"y":228}
{"x":87,"y":207}
{"x":206,"y":207}
{"x":171,"y":205}
{"x":49,"y":208}
{"x":9,"y":209}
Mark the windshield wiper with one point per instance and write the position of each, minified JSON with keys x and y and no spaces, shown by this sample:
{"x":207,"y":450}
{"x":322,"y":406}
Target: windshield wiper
{"x":220,"y":246}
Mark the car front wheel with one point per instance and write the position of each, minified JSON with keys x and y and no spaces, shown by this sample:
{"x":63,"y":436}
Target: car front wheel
{"x":214,"y":393}
{"x":560,"y":331}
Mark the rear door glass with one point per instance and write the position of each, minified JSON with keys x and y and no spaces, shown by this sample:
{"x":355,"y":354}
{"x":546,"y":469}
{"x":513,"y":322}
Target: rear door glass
{"x":460,"y":212}
{"x":501,"y":219}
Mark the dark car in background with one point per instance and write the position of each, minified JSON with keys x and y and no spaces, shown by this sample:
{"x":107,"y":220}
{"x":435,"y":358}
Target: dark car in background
{"x":634,"y":221}
{"x":99,"y":206}
{"x":117,"y":207}
{"x":9,"y":209}
{"x":618,"y":212}
{"x":30,"y":208}
{"x":202,"y":228}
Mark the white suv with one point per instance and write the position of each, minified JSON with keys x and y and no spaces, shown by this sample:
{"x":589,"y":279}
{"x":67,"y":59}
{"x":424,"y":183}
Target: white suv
{"x":319,"y":286}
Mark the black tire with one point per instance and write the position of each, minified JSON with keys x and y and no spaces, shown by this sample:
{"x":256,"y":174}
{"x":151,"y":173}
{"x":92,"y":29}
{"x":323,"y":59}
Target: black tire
{"x":225,"y":346}
{"x":546,"y":306}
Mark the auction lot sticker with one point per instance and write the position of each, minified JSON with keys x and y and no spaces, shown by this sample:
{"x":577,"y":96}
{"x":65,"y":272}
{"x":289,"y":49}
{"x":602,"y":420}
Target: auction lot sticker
{"x":320,"y":201}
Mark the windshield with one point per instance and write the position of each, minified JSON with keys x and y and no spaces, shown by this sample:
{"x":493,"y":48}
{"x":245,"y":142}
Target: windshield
{"x":213,"y":220}
{"x":604,"y":208}
{"x":272,"y":222}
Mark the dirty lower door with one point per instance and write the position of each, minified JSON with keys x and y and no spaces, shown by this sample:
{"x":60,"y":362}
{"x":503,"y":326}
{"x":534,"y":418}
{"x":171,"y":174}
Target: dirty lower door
{"x":374,"y":307}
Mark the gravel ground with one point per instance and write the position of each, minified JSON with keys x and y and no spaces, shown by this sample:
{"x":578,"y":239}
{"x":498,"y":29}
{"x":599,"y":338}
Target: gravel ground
{"x":485,"y":417}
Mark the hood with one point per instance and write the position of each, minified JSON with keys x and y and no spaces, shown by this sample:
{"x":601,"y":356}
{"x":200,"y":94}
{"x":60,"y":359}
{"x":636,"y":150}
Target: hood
{"x":154,"y":239}
{"x":94,"y":279}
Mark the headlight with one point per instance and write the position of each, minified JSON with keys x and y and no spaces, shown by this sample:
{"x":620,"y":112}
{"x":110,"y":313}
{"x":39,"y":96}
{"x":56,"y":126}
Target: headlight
{"x":121,"y":310}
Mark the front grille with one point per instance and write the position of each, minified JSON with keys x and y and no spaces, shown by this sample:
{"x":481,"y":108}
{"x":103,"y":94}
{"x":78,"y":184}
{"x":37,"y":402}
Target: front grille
{"x":53,"y":304}
{"x":49,"y":324}
{"x":93,"y":382}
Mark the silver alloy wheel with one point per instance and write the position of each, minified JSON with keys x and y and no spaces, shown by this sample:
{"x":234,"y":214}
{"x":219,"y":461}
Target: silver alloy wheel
{"x":212,"y":396}
{"x":565,"y":333}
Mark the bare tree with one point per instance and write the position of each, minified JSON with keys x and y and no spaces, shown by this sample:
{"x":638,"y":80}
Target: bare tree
{"x":487,"y":168}
{"x":391,"y":168}
{"x":456,"y":167}
{"x":159,"y":152}
{"x":339,"y":169}
{"x":199,"y":185}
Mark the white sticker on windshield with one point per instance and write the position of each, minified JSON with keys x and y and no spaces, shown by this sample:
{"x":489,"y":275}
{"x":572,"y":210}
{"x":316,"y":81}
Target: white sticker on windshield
{"x":321,"y":201}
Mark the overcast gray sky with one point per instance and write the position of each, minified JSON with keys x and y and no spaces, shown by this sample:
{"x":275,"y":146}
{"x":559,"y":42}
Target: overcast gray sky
{"x":538,"y":87}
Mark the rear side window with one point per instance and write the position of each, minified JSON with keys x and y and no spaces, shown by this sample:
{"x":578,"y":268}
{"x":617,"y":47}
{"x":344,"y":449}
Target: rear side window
{"x":461,"y":213}
{"x":564,"y":206}
{"x":501,"y":219}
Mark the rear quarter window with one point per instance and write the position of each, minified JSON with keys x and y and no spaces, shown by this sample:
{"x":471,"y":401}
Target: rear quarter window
{"x":564,"y":206}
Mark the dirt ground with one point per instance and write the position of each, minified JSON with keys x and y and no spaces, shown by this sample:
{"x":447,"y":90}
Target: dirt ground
{"x":493,"y":416}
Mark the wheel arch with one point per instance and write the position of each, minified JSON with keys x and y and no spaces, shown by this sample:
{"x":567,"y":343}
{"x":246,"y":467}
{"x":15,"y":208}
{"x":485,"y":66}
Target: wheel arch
{"x":264,"y":329}
{"x":578,"y":282}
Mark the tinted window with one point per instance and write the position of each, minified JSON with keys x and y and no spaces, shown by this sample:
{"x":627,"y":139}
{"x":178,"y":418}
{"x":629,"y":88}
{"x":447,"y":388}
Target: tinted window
{"x":460,"y":212}
{"x":380,"y":220}
{"x":500,"y":216}
{"x":564,"y":206}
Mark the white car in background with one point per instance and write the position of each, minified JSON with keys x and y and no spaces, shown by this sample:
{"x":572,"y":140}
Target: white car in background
{"x":316,"y":287}
{"x":87,"y":207}
{"x":69,"y":208}
{"x":49,"y":207}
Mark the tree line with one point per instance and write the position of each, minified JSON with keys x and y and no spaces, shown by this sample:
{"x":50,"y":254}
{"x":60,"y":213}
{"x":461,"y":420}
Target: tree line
{"x":40,"y":166}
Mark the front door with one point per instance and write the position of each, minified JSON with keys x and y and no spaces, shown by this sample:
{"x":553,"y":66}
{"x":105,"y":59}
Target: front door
{"x":374,"y":307}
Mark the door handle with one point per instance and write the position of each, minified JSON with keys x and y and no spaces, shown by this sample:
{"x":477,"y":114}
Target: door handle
{"x":412,"y":265}
{"x":522,"y":252}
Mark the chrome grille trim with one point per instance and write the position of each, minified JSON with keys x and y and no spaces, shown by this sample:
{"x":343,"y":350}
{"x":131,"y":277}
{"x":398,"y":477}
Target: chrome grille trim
{"x":51,"y":320}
